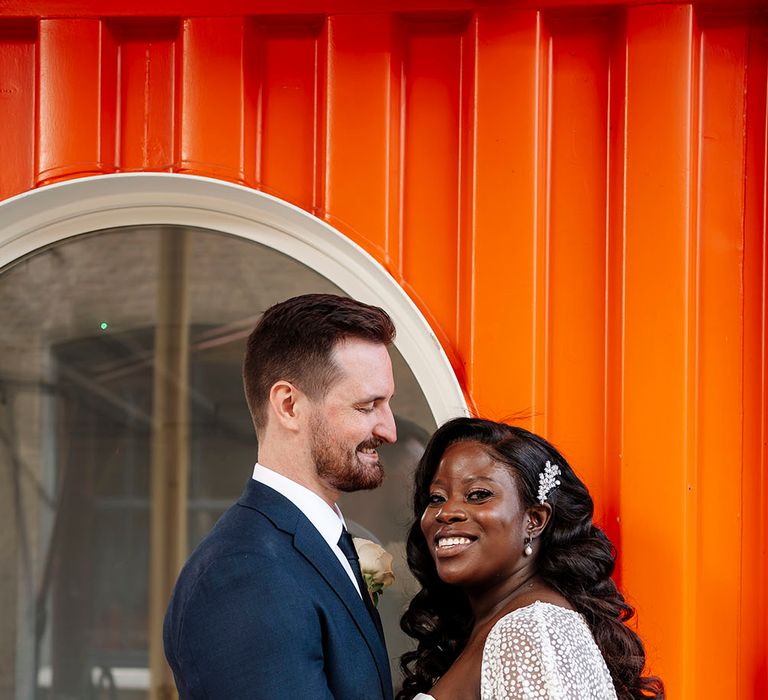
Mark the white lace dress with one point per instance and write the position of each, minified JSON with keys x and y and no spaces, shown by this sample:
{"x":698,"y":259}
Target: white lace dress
{"x":542,"y":651}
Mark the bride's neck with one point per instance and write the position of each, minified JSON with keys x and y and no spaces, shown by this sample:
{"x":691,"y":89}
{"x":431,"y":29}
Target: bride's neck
{"x":488,"y":603}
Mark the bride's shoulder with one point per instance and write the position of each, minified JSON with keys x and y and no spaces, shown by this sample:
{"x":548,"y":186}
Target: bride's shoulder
{"x":537,"y":619}
{"x":544,"y":646}
{"x":541,"y":633}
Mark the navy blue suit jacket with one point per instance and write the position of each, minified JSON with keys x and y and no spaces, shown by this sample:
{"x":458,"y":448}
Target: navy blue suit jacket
{"x":264,"y":610}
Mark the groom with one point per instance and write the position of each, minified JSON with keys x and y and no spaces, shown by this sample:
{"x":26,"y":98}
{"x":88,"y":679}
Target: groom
{"x":271,"y":604}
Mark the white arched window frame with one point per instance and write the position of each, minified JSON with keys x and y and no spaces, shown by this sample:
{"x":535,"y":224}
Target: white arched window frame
{"x":37,"y":218}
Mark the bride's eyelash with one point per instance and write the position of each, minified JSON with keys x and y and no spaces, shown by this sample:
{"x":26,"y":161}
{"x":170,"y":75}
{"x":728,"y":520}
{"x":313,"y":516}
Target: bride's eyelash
{"x":474,"y":495}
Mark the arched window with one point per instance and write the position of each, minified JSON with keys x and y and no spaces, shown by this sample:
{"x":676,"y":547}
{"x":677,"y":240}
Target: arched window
{"x":123,"y":431}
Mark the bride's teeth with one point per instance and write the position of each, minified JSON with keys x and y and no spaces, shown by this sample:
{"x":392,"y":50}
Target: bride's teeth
{"x":452,"y":541}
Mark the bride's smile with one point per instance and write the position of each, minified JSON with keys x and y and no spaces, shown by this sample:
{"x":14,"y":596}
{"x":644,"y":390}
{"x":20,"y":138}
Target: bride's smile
{"x":449,"y":543}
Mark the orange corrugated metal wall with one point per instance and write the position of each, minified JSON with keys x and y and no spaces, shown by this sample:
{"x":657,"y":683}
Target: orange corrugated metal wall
{"x":575,"y":199}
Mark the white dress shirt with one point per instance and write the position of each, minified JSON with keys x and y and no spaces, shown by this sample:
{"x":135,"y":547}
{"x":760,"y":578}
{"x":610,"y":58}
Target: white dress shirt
{"x":326,"y":520}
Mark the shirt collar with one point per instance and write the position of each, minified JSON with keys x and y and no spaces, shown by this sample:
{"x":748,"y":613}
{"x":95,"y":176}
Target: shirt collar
{"x":327,"y":520}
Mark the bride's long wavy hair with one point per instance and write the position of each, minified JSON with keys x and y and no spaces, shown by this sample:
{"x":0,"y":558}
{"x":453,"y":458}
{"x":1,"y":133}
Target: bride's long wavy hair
{"x":574,"y":557}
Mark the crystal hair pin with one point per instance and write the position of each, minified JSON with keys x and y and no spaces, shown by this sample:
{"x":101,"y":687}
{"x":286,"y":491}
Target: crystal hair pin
{"x":548,"y":480}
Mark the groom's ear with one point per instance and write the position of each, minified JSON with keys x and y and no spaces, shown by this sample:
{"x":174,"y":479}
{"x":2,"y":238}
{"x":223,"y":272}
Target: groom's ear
{"x":286,"y":405}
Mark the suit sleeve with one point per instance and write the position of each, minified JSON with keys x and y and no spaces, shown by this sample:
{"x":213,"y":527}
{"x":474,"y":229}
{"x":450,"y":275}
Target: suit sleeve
{"x":248,"y":630}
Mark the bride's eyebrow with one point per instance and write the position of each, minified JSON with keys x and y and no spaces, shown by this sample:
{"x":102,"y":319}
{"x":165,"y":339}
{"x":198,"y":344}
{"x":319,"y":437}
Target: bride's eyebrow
{"x":474,"y":479}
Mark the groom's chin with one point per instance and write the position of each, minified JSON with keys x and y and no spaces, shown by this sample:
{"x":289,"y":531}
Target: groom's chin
{"x":364,"y":479}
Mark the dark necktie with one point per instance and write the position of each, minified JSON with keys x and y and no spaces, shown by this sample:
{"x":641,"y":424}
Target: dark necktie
{"x":348,"y":548}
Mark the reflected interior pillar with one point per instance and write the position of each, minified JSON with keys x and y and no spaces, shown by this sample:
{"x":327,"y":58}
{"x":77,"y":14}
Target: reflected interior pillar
{"x":170,"y":455}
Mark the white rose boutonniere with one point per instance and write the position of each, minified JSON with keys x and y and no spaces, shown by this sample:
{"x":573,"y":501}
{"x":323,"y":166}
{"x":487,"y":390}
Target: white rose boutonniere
{"x":375,"y":565}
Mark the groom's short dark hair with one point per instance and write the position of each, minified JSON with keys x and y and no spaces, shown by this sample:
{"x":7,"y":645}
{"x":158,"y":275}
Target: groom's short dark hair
{"x":294,"y":341}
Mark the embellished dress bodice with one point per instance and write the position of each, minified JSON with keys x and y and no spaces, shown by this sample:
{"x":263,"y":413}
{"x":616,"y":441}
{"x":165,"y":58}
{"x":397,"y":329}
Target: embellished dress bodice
{"x":542,"y":652}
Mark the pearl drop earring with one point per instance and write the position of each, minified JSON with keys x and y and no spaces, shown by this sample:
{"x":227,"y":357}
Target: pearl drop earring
{"x":528,"y":550}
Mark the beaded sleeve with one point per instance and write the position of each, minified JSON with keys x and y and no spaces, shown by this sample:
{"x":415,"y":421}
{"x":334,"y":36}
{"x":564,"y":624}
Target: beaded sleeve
{"x":543,"y":652}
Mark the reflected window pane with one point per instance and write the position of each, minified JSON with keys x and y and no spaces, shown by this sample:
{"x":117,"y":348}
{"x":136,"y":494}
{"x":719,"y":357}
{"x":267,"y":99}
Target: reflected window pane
{"x":121,"y":400}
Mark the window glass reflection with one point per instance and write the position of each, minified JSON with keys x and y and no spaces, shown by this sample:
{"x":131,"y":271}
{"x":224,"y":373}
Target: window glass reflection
{"x":101,"y":335}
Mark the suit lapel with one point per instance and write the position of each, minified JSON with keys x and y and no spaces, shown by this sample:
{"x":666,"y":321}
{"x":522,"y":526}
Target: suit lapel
{"x":308,"y":541}
{"x":315,"y":549}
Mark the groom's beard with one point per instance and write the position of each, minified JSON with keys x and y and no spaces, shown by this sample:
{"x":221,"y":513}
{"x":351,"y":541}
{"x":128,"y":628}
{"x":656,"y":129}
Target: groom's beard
{"x":340,"y":467}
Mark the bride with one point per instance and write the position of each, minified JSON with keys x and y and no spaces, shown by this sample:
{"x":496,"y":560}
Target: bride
{"x":517,"y":600}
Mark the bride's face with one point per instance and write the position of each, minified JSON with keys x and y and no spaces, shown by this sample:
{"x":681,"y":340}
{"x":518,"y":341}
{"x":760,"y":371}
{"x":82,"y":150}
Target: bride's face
{"x":475,"y":523}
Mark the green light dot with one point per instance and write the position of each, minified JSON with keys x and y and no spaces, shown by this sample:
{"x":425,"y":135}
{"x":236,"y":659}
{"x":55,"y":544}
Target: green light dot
{"x":103,"y":325}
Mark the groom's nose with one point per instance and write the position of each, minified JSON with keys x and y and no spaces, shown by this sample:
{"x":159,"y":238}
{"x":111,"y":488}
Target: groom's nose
{"x":385,"y":429}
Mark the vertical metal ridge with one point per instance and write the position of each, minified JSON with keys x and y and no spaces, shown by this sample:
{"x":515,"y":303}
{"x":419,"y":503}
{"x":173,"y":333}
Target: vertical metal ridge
{"x":753,"y":630}
{"x":320,"y":118}
{"x":324,"y":169}
{"x":74,"y":128}
{"x":395,"y":101}
{"x":289,"y":125}
{"x":691,"y":357}
{"x":506,"y":100}
{"x":657,"y":303}
{"x":145,"y":97}
{"x":431,"y":164}
{"x":465,"y":248}
{"x":578,"y":148}
{"x":212,"y":115}
{"x":107,"y":98}
{"x":720,"y":352}
{"x":540,"y":233}
{"x":613,"y":404}
{"x":19,"y":46}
